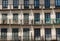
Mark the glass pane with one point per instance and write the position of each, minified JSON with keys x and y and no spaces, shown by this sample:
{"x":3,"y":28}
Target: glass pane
{"x":4,"y":33}
{"x":15,"y":16}
{"x":26,"y":33}
{"x":58,"y":33}
{"x":58,"y":17}
{"x":26,"y":3}
{"x":4,"y":3}
{"x":47,"y":3}
{"x":37,"y":18}
{"x":48,"y":34}
{"x":57,"y":3}
{"x":47,"y":18}
{"x":15,"y":3}
{"x":36,"y":3}
{"x":15,"y":33}
{"x":26,"y":16}
{"x":4,"y":16}
{"x":37,"y":34}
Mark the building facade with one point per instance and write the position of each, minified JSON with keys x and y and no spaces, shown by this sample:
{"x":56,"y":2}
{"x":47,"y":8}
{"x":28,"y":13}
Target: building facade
{"x":29,"y":20}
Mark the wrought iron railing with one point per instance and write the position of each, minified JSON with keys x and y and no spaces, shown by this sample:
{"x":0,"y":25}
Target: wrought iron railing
{"x":30,"y":6}
{"x":29,"y":38}
{"x":31,"y":22}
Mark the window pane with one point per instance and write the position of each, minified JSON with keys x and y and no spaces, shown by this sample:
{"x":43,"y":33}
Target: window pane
{"x":57,"y":3}
{"x":26,"y":34}
{"x":37,"y":18}
{"x":4,"y":3}
{"x":26,"y":3}
{"x":4,"y":33}
{"x":15,"y":3}
{"x":15,"y":33}
{"x":58,"y":34}
{"x":47,"y":18}
{"x":36,"y":3}
{"x":37,"y":34}
{"x":47,"y":3}
{"x":57,"y":17}
{"x":15,"y":16}
{"x":26,"y":16}
{"x":48,"y":34}
{"x":4,"y":16}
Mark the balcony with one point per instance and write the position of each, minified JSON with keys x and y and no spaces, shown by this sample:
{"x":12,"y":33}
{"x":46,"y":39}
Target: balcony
{"x":31,"y":22}
{"x":22,"y":6}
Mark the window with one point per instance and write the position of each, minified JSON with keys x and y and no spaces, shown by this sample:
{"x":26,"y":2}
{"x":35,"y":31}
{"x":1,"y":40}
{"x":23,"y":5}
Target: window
{"x":36,"y":18}
{"x":26,"y":18}
{"x":47,"y":18}
{"x":15,"y":3}
{"x":57,"y":17}
{"x":47,"y":34}
{"x":15,"y":34}
{"x":3,"y":33}
{"x":26,"y":3}
{"x":58,"y":34}
{"x":57,"y":3}
{"x":47,"y":3}
{"x":15,"y":16}
{"x":37,"y":34}
{"x":4,"y":16}
{"x":4,"y":3}
{"x":25,"y":33}
{"x":36,"y":3}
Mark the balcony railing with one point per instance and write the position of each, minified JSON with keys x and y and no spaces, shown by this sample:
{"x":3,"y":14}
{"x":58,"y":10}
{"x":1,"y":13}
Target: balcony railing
{"x":48,"y":37}
{"x":57,"y":21}
{"x":4,"y":21}
{"x":47,"y":21}
{"x":30,"y":22}
{"x":30,"y":6}
{"x":26,"y":21}
{"x":15,"y":21}
{"x":28,"y":39}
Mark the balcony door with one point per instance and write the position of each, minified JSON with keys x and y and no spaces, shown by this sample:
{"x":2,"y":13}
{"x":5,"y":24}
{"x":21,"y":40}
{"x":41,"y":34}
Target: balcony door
{"x":57,"y":17}
{"x":26,"y":18}
{"x":37,"y":34}
{"x":4,"y":34}
{"x":47,"y":18}
{"x":58,"y":34}
{"x":25,"y":34}
{"x":15,"y":34}
{"x":48,"y":34}
{"x":36,"y":18}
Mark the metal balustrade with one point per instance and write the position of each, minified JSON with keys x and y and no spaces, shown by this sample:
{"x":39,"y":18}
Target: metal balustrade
{"x":30,"y":22}
{"x":29,"y":38}
{"x":30,"y":6}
